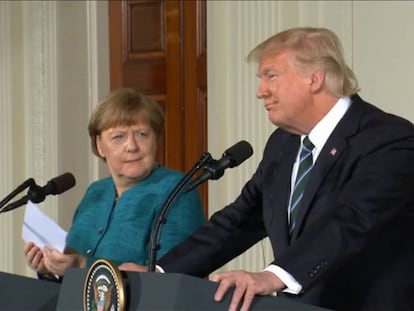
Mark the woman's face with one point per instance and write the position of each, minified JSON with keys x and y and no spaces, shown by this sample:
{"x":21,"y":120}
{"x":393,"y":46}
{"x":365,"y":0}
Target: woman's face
{"x":129,"y":152}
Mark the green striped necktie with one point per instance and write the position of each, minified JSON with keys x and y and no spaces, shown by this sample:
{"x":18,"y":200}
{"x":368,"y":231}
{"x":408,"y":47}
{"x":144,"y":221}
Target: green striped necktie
{"x":302,"y":176}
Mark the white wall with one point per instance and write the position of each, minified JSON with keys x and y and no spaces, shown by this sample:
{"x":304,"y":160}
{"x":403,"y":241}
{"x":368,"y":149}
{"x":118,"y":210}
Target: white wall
{"x":378,"y":45}
{"x":383,"y":53}
{"x":54,"y":66}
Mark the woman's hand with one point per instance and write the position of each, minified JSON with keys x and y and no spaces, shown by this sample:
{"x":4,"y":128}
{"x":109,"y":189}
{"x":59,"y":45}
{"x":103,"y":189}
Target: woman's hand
{"x":35,"y":258}
{"x":57,"y":262}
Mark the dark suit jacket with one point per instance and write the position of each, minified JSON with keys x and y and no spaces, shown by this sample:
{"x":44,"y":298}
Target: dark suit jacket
{"x":353,"y":248}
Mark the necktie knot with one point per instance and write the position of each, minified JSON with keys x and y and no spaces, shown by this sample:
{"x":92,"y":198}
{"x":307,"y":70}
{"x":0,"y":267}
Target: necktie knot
{"x":307,"y":144}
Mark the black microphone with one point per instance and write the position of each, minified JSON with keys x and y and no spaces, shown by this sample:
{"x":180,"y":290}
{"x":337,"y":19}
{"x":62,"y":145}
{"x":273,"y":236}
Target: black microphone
{"x":161,"y":219}
{"x":27,"y":183}
{"x":37,"y":194}
{"x":232,"y":157}
{"x":56,"y":185}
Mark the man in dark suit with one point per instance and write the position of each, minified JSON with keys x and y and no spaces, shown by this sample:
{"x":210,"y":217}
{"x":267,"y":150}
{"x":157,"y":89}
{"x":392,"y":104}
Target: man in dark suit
{"x":342,"y":224}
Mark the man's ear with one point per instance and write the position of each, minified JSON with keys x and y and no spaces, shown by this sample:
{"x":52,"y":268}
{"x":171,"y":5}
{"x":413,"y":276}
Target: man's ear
{"x":317,"y":80}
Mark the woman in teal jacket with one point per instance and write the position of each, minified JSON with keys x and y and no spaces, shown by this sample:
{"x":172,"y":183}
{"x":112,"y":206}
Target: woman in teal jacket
{"x":115,"y":217}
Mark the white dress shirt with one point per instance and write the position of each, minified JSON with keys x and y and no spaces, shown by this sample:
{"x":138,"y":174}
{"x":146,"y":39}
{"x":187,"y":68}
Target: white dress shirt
{"x":318,"y":136}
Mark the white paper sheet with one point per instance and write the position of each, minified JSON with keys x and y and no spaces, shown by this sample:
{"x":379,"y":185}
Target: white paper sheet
{"x":41,"y":229}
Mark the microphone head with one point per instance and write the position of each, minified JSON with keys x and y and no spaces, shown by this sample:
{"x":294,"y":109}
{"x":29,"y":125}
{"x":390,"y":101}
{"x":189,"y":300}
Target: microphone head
{"x":60,"y":184}
{"x":238,"y":153}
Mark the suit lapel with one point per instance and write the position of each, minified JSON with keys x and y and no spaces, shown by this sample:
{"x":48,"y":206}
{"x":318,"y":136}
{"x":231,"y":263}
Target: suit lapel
{"x":281,"y":190}
{"x":330,"y":153}
{"x":334,"y":147}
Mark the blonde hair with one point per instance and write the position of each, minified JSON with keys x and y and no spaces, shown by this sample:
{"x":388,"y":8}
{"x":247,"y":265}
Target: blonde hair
{"x":312,"y":47}
{"x":124,"y":106}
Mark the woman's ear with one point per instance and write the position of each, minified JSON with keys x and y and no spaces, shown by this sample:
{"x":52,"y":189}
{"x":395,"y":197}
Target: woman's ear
{"x":99,"y":146}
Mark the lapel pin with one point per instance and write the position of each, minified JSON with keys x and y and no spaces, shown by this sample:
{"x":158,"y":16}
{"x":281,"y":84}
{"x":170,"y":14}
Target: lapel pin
{"x":333,"y":151}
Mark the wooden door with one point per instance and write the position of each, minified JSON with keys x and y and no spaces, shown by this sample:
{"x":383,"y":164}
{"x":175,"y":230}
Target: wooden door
{"x":158,"y":47}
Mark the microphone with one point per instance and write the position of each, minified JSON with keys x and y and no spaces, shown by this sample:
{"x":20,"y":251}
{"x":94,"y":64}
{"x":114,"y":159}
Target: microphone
{"x":232,"y":157}
{"x":214,"y":169}
{"x":56,"y":185}
{"x":27,"y":183}
{"x":161,"y":219}
{"x":37,"y":194}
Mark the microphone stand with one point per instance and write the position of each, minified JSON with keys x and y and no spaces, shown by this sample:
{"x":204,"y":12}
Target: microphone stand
{"x":161,"y":219}
{"x":27,"y":183}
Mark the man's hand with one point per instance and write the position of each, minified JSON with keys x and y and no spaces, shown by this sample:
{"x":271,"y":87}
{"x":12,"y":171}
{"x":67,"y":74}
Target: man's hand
{"x":247,"y":285}
{"x":131,"y":266}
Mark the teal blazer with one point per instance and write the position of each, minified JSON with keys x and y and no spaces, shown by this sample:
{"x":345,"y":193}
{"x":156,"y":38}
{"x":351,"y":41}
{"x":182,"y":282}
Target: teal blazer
{"x":119,"y":229}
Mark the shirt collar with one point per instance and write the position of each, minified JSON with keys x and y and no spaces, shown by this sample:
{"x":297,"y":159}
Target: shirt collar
{"x":321,"y":132}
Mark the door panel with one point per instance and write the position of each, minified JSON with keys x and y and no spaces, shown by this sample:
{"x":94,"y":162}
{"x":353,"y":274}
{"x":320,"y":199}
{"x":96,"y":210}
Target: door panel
{"x":159,"y":47}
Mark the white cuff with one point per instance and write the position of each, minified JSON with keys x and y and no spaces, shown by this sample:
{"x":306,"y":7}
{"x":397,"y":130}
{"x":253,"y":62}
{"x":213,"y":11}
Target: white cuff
{"x":292,"y":286}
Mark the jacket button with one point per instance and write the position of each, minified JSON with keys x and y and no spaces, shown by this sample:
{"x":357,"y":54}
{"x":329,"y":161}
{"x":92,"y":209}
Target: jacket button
{"x":89,"y":252}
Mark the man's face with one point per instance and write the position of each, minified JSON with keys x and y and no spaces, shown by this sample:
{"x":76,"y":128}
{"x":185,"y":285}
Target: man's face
{"x":285,"y":92}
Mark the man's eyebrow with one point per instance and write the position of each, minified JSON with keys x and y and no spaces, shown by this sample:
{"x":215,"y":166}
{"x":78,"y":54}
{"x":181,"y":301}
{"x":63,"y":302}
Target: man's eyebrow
{"x":264,"y":71}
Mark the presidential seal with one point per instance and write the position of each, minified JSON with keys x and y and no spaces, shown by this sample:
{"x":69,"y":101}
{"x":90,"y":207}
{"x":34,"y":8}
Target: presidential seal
{"x":104,"y":288}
